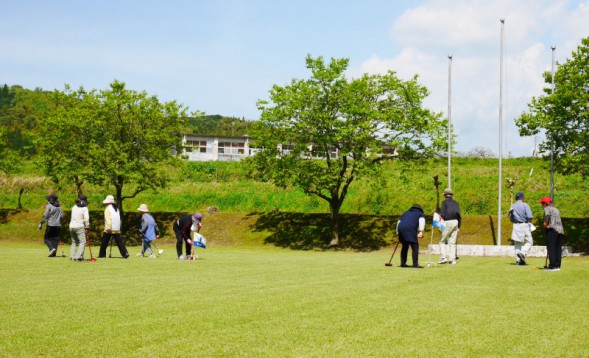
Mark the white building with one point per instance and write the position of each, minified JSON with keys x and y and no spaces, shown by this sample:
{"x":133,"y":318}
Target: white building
{"x":202,"y":148}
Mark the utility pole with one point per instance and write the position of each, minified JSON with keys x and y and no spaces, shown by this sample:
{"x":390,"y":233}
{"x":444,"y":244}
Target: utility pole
{"x":499,"y":210}
{"x":551,"y":140}
{"x":449,"y":121}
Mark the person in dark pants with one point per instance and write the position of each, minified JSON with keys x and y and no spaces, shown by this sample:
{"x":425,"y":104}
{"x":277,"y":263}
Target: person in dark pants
{"x":554,"y":233}
{"x":183,"y":228}
{"x":112,"y":228}
{"x":53,"y":215}
{"x":410,"y":227}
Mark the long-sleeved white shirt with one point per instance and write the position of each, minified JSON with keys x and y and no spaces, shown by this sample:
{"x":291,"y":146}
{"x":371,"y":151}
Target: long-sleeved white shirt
{"x":80,"y":217}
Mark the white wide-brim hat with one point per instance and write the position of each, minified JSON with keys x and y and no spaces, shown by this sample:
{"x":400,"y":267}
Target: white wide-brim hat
{"x":109,"y":200}
{"x":143,"y":208}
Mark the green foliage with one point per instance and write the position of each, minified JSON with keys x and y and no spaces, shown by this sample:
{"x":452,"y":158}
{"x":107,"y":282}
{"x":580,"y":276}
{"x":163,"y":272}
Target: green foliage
{"x":336,"y":130}
{"x":117,"y":137}
{"x":205,"y":172}
{"x":9,"y":160}
{"x":564,"y":114}
{"x":21,"y":111}
{"x":220,"y":125}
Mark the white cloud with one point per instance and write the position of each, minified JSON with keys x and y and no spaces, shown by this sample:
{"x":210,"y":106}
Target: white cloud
{"x":470,"y":31}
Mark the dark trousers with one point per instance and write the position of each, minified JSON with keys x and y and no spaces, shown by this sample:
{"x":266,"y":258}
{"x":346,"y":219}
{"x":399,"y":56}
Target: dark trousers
{"x":51,"y":237}
{"x":414,"y":250}
{"x":106,"y":237}
{"x":554,"y":247}
{"x":179,"y":241}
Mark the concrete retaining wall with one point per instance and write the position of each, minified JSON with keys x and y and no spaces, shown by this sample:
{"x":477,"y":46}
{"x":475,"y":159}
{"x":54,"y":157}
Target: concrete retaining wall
{"x":492,"y":250}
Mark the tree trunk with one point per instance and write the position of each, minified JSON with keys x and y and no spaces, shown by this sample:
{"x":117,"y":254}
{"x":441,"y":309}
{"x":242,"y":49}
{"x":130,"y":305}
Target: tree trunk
{"x":119,"y":200}
{"x":79,"y":184}
{"x":334,"y":206}
{"x":19,"y":205}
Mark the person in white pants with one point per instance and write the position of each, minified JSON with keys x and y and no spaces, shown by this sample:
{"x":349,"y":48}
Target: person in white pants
{"x":520,"y":215}
{"x":450,"y":212}
{"x":79,"y":227}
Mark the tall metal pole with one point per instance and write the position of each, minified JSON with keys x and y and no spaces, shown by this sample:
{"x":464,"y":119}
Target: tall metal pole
{"x":449,"y":121}
{"x":552,"y":141}
{"x":499,"y":210}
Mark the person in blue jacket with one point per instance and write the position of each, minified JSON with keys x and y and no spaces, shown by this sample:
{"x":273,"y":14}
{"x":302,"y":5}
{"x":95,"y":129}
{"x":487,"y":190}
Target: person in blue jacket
{"x":149,"y":231}
{"x":409,"y":228}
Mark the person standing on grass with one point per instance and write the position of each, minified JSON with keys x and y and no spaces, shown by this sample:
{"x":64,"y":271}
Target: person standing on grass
{"x":450,"y":212}
{"x":409,"y":228}
{"x":520,"y":215}
{"x":554,"y":233}
{"x":79,"y":228}
{"x":112,"y":228}
{"x":149,"y":231}
{"x":183,"y":228}
{"x":53,"y":215}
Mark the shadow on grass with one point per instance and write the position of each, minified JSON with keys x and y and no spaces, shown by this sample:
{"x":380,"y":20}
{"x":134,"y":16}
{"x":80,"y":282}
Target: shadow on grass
{"x":300,"y":231}
{"x":6,"y":214}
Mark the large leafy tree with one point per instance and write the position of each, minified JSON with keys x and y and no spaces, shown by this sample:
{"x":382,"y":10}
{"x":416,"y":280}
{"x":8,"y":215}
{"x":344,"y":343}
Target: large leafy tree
{"x":322,"y":133}
{"x":20,"y":113}
{"x":8,"y":157}
{"x":118,"y":137}
{"x":564,"y":114}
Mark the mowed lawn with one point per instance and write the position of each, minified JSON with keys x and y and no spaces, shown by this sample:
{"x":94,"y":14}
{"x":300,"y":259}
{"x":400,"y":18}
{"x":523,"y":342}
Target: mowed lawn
{"x":264,"y":302}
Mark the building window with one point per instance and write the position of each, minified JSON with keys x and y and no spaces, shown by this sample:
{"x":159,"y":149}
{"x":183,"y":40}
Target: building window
{"x":287,"y":148}
{"x":232,"y":148}
{"x":196,"y":145}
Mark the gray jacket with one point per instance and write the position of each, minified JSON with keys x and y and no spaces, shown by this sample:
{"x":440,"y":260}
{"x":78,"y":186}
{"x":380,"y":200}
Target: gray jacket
{"x":53,"y":215}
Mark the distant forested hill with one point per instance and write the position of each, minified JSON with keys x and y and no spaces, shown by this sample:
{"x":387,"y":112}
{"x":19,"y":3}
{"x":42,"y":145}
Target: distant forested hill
{"x":22,"y":109}
{"x":222,"y":125}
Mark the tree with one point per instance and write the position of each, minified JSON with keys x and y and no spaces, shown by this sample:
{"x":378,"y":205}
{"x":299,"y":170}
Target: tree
{"x":480,"y":152}
{"x":322,"y":133}
{"x":21,"y":110}
{"x":116,"y":136}
{"x":564,"y":114}
{"x":8,"y":157}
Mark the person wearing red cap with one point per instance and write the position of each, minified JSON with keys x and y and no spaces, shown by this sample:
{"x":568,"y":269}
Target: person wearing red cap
{"x":554,"y":233}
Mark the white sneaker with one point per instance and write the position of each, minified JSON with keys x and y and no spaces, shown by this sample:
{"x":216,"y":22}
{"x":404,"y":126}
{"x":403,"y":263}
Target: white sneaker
{"x":181,"y":257}
{"x":152,"y":256}
{"x":139,"y":255}
{"x":442,"y":261}
{"x":453,"y":262}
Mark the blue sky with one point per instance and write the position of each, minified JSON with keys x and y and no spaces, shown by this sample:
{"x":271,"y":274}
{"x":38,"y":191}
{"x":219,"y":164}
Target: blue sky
{"x":220,"y":57}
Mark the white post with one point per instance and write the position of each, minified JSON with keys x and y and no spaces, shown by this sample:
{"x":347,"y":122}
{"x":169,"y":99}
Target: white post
{"x":551,"y":141}
{"x":499,"y":210}
{"x":449,"y":121}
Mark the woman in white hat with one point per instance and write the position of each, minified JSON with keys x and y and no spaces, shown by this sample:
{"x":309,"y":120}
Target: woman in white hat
{"x":112,"y":228}
{"x":149,"y":231}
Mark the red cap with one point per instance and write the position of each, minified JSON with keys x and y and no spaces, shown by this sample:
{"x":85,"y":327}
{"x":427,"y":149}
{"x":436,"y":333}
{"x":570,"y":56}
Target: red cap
{"x":546,"y":200}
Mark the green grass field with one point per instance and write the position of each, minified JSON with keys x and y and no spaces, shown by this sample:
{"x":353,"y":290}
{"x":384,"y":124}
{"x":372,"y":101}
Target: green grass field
{"x":267,"y":302}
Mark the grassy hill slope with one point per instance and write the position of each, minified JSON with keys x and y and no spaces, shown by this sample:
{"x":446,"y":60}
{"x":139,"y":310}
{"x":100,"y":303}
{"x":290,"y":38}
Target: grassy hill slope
{"x":253,"y":213}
